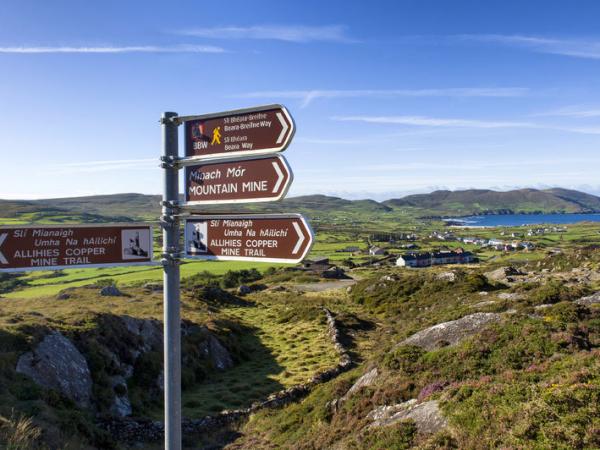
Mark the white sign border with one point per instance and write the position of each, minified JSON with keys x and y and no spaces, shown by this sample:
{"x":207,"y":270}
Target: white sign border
{"x":277,"y":149}
{"x":280,"y":197}
{"x":151,"y":263}
{"x":193,"y":218}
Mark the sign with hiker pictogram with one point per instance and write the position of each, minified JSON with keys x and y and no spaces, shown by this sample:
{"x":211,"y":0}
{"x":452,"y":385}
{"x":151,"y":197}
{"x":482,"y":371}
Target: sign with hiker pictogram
{"x":258,"y":130}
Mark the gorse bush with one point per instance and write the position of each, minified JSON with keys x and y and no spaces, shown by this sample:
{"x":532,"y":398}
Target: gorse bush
{"x":10,"y":281}
{"x":235,"y":278}
{"x":556,"y":291}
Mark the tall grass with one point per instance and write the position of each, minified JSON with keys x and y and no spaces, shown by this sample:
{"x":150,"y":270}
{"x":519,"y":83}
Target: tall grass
{"x":18,"y":432}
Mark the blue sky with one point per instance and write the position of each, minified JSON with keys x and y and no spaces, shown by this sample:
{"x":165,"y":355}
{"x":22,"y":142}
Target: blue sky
{"x":389,"y":97}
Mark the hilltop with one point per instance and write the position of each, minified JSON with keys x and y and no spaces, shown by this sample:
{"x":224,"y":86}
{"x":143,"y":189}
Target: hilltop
{"x":485,"y":201}
{"x":147,"y":207}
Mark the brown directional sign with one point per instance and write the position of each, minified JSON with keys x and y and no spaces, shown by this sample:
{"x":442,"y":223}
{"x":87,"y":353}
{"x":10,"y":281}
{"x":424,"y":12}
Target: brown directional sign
{"x":259,"y":130}
{"x":261,"y":179}
{"x":269,"y":238}
{"x":65,"y":246}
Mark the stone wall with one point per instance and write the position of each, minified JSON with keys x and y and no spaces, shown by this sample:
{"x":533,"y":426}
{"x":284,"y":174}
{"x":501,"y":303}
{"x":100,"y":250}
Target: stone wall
{"x":145,"y":430}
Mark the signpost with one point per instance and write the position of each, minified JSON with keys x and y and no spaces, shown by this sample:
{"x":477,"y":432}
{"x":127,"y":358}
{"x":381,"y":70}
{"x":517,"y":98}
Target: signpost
{"x":25,"y":248}
{"x":284,"y":238}
{"x":261,"y":179}
{"x":259,"y":130}
{"x":230,"y":157}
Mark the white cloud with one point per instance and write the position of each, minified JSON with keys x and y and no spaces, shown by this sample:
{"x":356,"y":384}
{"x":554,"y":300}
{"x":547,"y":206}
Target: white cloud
{"x":307,"y":96}
{"x":288,"y":33}
{"x":572,"y":111}
{"x":433,"y":122}
{"x":114,"y":49}
{"x":580,"y":48}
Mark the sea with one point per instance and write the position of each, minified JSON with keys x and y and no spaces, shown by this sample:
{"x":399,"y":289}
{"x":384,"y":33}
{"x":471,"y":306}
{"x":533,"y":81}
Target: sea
{"x":513,"y":220}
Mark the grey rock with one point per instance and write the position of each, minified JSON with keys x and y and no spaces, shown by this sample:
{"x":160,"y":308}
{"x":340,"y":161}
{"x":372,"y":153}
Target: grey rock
{"x":153,"y":287}
{"x":217,"y":353}
{"x":503,"y":273}
{"x":483,"y":304}
{"x":593,"y":299}
{"x":278,"y":288}
{"x":57,"y":364}
{"x":149,"y":330}
{"x":389,"y":278}
{"x":243,"y":290}
{"x":446,"y":276}
{"x":427,"y":415}
{"x":452,"y":332}
{"x":509,"y":296}
{"x":110,"y":291}
{"x":366,"y":380}
{"x":118,"y":380}
{"x":121,"y":406}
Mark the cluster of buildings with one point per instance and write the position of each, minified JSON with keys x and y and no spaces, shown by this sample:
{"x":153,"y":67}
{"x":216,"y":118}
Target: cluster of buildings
{"x":443,"y":236}
{"x":458,"y":256}
{"x":541,"y":231}
{"x":498,"y":244}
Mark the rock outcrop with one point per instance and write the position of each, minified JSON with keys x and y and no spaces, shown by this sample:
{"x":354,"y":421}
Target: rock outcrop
{"x":427,"y":415}
{"x":217,"y":353}
{"x":446,"y":276}
{"x":451,"y":333}
{"x":150,"y":332}
{"x":593,"y":299}
{"x":57,"y":364}
{"x":110,"y":291}
{"x":121,"y":406}
{"x":503,"y":274}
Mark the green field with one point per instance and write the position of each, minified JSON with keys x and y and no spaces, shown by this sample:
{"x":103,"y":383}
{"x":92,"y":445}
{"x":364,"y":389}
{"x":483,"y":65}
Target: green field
{"x":44,"y":284}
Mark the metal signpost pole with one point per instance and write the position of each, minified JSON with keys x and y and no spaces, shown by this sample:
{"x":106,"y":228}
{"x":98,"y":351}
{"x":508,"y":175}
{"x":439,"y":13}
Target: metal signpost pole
{"x":170,"y":261}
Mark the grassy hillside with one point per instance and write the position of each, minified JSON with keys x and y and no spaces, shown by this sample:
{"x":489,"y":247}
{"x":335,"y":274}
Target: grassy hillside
{"x":482,"y":201}
{"x":530,"y":380}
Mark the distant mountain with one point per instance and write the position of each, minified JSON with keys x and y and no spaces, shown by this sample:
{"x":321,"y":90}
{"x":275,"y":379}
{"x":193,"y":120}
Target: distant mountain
{"x":485,"y":201}
{"x":95,"y":208}
{"x":439,"y":203}
{"x":147,"y":207}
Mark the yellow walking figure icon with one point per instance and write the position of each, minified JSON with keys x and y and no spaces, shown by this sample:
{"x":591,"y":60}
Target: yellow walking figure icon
{"x":216,"y":136}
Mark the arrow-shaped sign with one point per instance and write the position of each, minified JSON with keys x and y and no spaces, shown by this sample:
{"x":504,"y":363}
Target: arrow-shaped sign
{"x":268,"y":237}
{"x":251,"y":131}
{"x":3,"y":260}
{"x":284,"y":127}
{"x":300,"y":238}
{"x":280,"y":176}
{"x":259,"y":179}
{"x":54,"y":247}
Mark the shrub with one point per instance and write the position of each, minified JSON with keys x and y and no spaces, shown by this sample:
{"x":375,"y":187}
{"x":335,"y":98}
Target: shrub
{"x":403,"y":358}
{"x":554,"y":292}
